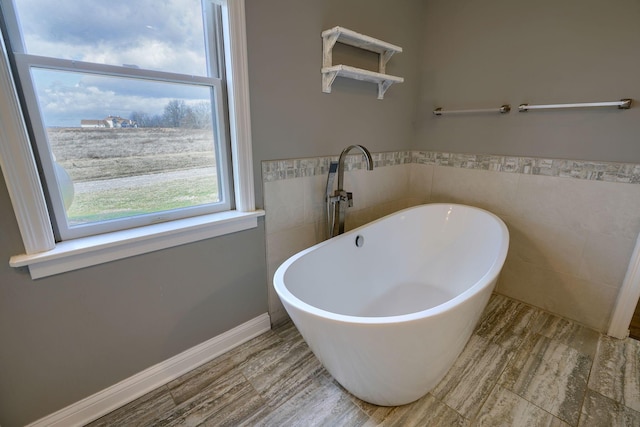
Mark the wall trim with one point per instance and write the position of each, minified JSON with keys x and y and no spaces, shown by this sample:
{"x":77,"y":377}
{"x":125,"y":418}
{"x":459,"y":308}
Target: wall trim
{"x":629,"y":173}
{"x":19,"y":167}
{"x":237,"y":75}
{"x":628,"y":297}
{"x":277,"y":170}
{"x":563,"y":168}
{"x":111,"y":398}
{"x":93,"y":250}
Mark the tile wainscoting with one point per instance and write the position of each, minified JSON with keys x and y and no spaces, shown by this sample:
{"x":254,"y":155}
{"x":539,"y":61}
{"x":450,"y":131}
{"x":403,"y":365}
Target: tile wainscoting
{"x":573,"y":224}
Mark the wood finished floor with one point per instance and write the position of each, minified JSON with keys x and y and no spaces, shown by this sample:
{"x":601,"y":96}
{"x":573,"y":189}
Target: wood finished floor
{"x":521,"y":367}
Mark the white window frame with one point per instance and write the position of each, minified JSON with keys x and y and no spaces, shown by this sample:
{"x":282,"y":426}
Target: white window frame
{"x":44,"y":256}
{"x":25,"y":64}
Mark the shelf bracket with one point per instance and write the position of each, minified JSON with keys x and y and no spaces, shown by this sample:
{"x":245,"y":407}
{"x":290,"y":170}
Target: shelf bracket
{"x":328,"y":42}
{"x":327,"y":80}
{"x":382,"y":88}
{"x":384,"y":58}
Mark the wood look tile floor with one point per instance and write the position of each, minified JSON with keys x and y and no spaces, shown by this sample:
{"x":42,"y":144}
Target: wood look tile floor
{"x":521,"y":367}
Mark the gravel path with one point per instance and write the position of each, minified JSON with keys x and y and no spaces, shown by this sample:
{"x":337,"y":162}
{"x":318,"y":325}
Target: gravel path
{"x":140,"y":180}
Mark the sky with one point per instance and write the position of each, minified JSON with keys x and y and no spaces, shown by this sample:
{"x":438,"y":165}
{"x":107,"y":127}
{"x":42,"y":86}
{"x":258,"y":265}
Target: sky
{"x":162,"y":35}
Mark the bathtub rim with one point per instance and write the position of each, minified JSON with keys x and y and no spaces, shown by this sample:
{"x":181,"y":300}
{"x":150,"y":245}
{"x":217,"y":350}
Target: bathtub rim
{"x":486,"y":280}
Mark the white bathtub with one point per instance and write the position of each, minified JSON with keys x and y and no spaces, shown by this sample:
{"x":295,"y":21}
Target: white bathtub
{"x":389,"y":318}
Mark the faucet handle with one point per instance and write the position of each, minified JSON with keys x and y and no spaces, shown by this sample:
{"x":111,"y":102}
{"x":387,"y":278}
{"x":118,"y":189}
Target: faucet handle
{"x":342,"y":196}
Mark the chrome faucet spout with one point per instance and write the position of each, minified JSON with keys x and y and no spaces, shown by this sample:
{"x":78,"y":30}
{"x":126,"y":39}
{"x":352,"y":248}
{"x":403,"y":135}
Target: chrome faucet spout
{"x":343,"y":155}
{"x":337,"y":203}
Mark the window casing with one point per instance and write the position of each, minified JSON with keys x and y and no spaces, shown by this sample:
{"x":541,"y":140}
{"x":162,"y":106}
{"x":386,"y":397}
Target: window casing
{"x":44,"y":256}
{"x":123,"y":207}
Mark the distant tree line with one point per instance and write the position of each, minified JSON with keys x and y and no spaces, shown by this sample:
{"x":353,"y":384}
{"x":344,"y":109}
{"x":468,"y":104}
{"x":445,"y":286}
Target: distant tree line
{"x":177,"y":114}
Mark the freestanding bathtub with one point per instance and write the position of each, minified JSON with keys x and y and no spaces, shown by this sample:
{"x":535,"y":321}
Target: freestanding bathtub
{"x":388,"y":307}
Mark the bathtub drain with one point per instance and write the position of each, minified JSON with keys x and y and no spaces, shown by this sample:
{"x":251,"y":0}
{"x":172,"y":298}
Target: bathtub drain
{"x":359,"y":241}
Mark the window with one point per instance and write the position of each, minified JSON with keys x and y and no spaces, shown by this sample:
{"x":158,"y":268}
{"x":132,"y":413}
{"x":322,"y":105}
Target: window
{"x":125,"y":103}
{"x":138,"y":115}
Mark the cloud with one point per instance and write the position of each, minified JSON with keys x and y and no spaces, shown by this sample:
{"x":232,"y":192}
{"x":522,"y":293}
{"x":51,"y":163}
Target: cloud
{"x":66,"y":98}
{"x":145,"y":88}
{"x":161,"y":35}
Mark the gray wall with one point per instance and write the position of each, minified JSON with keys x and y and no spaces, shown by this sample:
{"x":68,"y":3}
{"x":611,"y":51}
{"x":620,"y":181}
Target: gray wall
{"x":291,"y":116}
{"x":484,"y":54}
{"x":68,"y":336}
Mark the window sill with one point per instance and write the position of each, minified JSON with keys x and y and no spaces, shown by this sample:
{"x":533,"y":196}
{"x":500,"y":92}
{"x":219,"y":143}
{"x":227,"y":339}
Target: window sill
{"x":87,"y":251}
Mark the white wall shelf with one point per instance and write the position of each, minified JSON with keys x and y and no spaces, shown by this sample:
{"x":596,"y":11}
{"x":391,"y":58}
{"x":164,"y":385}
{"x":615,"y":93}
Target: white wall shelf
{"x":330,"y":72}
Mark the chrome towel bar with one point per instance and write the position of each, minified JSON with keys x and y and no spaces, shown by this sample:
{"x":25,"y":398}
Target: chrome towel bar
{"x":502,"y":109}
{"x":623,"y":104}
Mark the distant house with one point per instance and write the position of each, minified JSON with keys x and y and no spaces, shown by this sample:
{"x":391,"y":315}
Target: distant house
{"x":108,"y":122}
{"x":93,"y":124}
{"x":119,"y":122}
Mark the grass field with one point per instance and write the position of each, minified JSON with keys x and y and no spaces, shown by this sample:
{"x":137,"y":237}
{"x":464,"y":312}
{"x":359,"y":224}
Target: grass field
{"x":123,"y":172}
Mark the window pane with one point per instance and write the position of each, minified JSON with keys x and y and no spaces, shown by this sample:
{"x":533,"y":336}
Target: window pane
{"x":126,"y":147}
{"x":163,"y":35}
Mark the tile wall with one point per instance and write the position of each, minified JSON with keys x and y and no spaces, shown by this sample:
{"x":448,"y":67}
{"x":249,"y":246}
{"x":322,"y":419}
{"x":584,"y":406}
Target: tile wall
{"x":295,"y":208}
{"x":573,"y":224}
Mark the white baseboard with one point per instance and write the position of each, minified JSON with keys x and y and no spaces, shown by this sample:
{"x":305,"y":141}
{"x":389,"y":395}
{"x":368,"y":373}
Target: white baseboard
{"x":111,"y":398}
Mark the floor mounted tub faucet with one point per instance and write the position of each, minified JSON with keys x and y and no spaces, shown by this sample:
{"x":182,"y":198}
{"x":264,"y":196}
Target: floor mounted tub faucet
{"x":338,"y":202}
